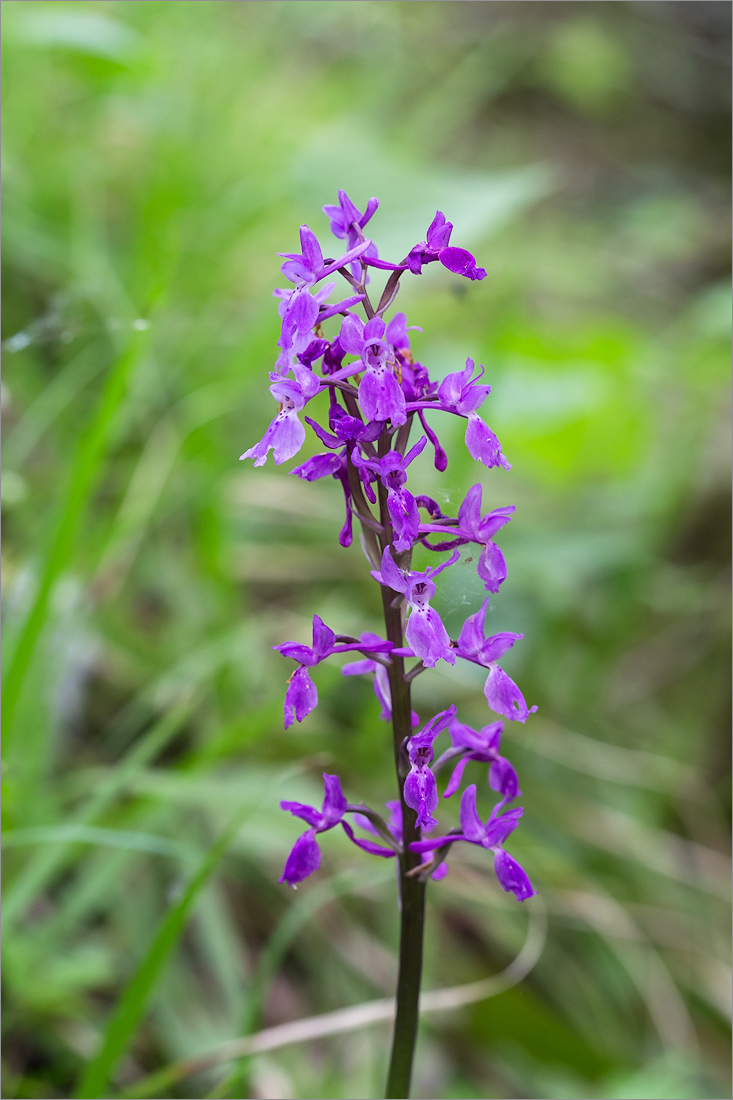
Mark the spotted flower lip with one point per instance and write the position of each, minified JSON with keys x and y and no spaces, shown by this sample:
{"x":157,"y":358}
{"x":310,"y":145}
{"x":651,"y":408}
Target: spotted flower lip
{"x":286,"y":435}
{"x":420,"y":790}
{"x":425,"y":634}
{"x":380,"y":395}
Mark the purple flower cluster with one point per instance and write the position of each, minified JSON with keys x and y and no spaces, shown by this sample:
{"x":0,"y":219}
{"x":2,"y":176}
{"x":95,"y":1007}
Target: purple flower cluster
{"x":377,"y":393}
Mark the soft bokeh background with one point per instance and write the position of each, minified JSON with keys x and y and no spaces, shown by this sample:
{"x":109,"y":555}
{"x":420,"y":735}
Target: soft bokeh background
{"x":157,"y":156}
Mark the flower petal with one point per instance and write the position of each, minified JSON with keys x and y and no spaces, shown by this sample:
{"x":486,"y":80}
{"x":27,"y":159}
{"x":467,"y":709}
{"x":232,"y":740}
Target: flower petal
{"x":304,"y":859}
{"x":511,"y":876}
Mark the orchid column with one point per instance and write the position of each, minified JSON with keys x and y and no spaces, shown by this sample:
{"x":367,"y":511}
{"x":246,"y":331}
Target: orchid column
{"x":375,"y":394}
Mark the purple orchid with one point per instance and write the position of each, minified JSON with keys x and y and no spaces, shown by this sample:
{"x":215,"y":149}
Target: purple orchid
{"x":375,"y":401}
{"x":305,"y":857}
{"x":481,"y":745}
{"x":502,"y":694}
{"x":512,"y":878}
{"x":308,"y":268}
{"x":473,"y":527}
{"x":301,"y":696}
{"x":380,"y":394}
{"x":300,"y":310}
{"x":436,"y":246}
{"x":392,"y":472}
{"x":286,"y":435}
{"x":461,"y":393}
{"x":420,"y":790}
{"x":346,"y":220}
{"x":425,"y":633}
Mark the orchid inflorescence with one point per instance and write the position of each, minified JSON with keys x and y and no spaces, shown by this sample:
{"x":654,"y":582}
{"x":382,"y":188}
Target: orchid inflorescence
{"x":377,"y":392}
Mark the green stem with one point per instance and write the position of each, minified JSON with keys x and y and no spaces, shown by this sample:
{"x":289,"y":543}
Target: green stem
{"x":412,"y":891}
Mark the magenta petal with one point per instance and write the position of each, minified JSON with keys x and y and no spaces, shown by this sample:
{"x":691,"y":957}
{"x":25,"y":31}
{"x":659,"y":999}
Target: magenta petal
{"x":317,"y":467}
{"x":324,"y":638}
{"x":497,"y":645}
{"x":482,"y":443}
{"x":391,"y":575}
{"x":471,"y":638}
{"x":310,"y":248}
{"x":461,"y":262}
{"x":469,"y":514}
{"x":367,"y":845}
{"x":421,"y":795}
{"x":503,"y":778}
{"x":334,"y":802}
{"x":511,"y":876}
{"x":304,"y":859}
{"x":428,"y":638}
{"x":455,"y":780}
{"x":491,"y":567}
{"x":504,"y":697}
{"x":471,"y":823}
{"x":380,"y":396}
{"x":303,"y":654}
{"x":351,"y":336}
{"x":498,"y":828}
{"x":306,"y":813}
{"x":301,"y":697}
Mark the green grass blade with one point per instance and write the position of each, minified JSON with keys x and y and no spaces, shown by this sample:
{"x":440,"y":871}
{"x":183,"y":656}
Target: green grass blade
{"x":297,"y":915}
{"x":89,"y":834}
{"x":132,"y":1004}
{"x":84,"y":470}
{"x":48,"y":862}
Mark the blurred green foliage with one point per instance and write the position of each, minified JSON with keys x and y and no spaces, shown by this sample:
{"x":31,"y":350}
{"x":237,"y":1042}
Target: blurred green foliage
{"x":156,"y":157}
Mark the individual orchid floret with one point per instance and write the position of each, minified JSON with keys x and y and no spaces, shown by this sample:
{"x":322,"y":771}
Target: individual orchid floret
{"x":345,"y":218}
{"x":502,"y":694}
{"x":491,"y":836}
{"x":436,"y":246}
{"x":301,"y":309}
{"x":481,"y":745}
{"x":380,"y":395}
{"x":425,"y":633}
{"x":305,"y":857}
{"x":473,"y":527}
{"x":308,"y":268}
{"x":301,"y":696}
{"x":286,"y":435}
{"x":392,"y":472}
{"x":420,"y":790}
{"x":461,"y":393}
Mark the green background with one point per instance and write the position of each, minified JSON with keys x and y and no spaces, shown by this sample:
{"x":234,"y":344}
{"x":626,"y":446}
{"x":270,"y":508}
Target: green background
{"x":157,"y":156}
